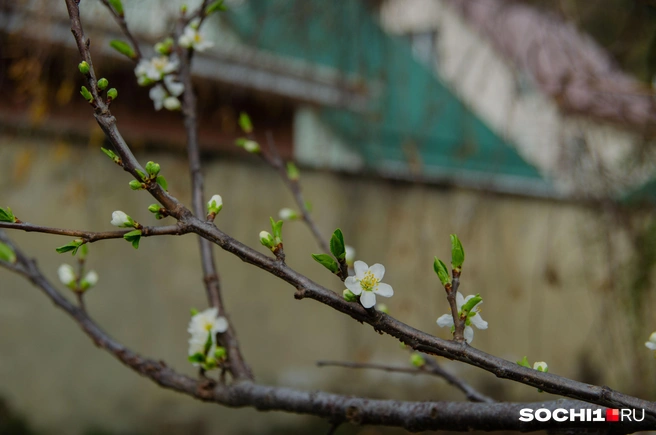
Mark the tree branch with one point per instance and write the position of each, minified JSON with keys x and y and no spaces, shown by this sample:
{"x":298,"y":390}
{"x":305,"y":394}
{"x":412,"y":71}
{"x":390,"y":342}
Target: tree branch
{"x":120,"y":20}
{"x":430,"y":368}
{"x":94,"y":236}
{"x":413,"y":416}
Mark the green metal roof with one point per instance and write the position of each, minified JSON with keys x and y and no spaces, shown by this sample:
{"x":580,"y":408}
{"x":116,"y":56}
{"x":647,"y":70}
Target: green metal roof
{"x":411,"y":114}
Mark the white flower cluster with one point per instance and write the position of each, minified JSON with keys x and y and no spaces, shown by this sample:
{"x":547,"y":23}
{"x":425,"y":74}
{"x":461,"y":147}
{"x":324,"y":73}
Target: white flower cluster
{"x":651,"y":344}
{"x":160,"y":70}
{"x":68,"y":277}
{"x":203,"y":328}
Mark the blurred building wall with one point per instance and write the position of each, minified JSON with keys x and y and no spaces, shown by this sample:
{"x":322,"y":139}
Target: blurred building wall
{"x":541,"y":267}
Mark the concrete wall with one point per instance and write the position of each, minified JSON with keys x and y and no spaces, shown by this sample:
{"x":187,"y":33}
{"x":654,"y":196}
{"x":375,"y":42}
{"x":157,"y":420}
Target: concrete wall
{"x":540,"y":266}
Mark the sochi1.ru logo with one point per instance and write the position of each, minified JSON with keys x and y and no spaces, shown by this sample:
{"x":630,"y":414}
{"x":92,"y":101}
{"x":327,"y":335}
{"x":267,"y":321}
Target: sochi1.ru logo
{"x":598,"y":415}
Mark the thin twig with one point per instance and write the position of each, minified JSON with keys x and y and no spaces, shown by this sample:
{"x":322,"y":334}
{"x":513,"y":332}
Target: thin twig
{"x":94,"y":236}
{"x":274,"y":159}
{"x":430,"y":368}
{"x":120,"y":20}
{"x":237,"y":365}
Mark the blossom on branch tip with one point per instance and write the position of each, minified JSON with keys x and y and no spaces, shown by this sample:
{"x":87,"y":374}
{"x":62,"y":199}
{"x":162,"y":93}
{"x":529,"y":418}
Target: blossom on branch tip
{"x":192,"y":39}
{"x":473,"y":317}
{"x":651,"y":344}
{"x":350,"y":255}
{"x":122,"y":220}
{"x":215,"y":204}
{"x":287,"y":214}
{"x":67,"y":275}
{"x":541,"y":366}
{"x":89,"y":280}
{"x":366,"y":283}
{"x":203,"y":328}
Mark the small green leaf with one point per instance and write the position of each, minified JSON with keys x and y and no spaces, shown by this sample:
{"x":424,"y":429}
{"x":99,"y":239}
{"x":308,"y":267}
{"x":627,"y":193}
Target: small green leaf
{"x":197,"y":358}
{"x":308,"y":206}
{"x":70,"y":247}
{"x":84,"y":251}
{"x":471,"y":303}
{"x":216,"y":6}
{"x":194,"y":311}
{"x":457,"y":252}
{"x":111,"y":154}
{"x":86,"y":94}
{"x":6,"y":253}
{"x":162,"y":182}
{"x":337,"y":246}
{"x":326,"y":261}
{"x":524,"y":362}
{"x":276,"y":228}
{"x":240,"y":142}
{"x":441,"y":271}
{"x":220,"y":353}
{"x":7,"y":215}
{"x":123,"y":47}
{"x":140,"y":173}
{"x":292,"y":171}
{"x":117,"y":6}
{"x":349,"y":296}
{"x":133,"y":237}
{"x":245,"y":123}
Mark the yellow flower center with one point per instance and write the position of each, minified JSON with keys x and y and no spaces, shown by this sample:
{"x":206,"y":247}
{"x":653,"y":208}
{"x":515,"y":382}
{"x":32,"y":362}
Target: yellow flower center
{"x":197,"y":37}
{"x":160,"y":63}
{"x":208,"y":326}
{"x":369,"y":283}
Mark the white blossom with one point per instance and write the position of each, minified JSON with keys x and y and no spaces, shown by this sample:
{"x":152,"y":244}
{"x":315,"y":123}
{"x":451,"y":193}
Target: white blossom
{"x":366,"y":283}
{"x":287,"y":214}
{"x":350,"y":255}
{"x":651,"y":344}
{"x":191,"y":38}
{"x":167,"y":97}
{"x":91,"y":278}
{"x":66,"y":274}
{"x":541,"y":366}
{"x":474,"y":317}
{"x":215,"y":204}
{"x":153,"y":70}
{"x":204,"y":324}
{"x":121,"y":220}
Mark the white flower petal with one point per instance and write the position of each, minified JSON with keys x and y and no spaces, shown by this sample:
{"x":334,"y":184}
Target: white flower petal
{"x":66,"y":274}
{"x":384,"y":290}
{"x":651,"y":345}
{"x":119,"y":219}
{"x":91,"y":278}
{"x":478,"y":321}
{"x":175,"y":88}
{"x":445,"y":320}
{"x":368,"y":299}
{"x":158,"y":94}
{"x":460,"y":300}
{"x":360,"y":269}
{"x":220,"y":325}
{"x":469,"y":334}
{"x":171,"y":103}
{"x":350,"y":254}
{"x":352,"y":284}
{"x":378,"y":270}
